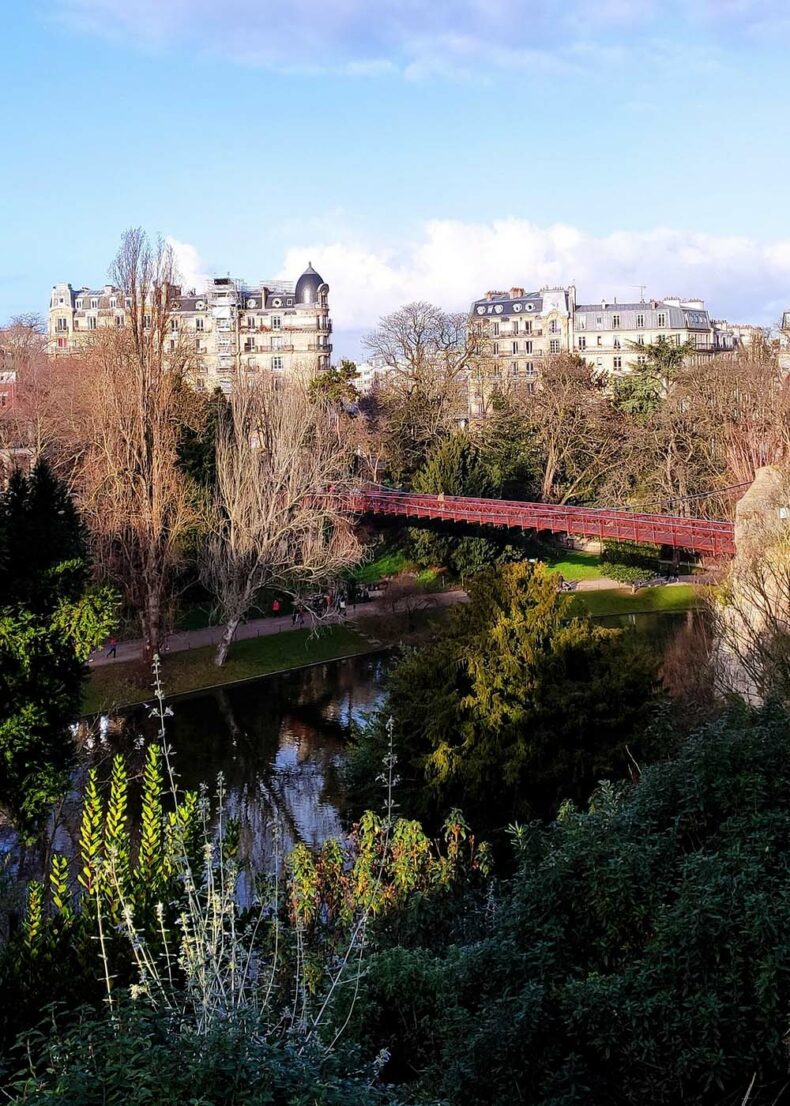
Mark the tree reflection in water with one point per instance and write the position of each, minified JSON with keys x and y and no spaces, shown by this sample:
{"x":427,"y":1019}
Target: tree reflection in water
{"x":279,"y":743}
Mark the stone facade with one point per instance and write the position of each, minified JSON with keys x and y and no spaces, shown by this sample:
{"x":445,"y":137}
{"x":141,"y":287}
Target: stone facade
{"x":229,"y":327}
{"x":518,"y":330}
{"x":608,"y":335}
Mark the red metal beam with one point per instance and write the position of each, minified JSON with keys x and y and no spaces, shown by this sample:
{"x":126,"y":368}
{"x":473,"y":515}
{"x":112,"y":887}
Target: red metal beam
{"x":713,"y":536}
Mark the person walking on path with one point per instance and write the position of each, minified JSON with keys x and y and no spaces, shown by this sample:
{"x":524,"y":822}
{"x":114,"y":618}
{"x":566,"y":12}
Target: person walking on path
{"x":301,"y":615}
{"x":276,"y":607}
{"x":294,"y":615}
{"x":342,"y":606}
{"x":113,"y":647}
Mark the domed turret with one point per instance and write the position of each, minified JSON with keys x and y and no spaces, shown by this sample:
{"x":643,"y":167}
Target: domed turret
{"x":307,"y":286}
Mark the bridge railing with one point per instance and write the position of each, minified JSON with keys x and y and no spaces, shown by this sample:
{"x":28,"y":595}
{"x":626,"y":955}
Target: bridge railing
{"x":712,"y":536}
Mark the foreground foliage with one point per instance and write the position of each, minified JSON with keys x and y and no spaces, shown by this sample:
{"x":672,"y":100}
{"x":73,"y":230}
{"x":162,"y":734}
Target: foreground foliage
{"x":50,"y":620}
{"x":639,"y":954}
{"x":142,"y":1057}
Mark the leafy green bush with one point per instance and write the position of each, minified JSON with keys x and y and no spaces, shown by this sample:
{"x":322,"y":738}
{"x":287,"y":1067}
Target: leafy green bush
{"x":624,"y":574}
{"x":641,"y":953}
{"x":514,"y":708}
{"x":51,"y":617}
{"x":144,"y":1056}
{"x":631,"y":553}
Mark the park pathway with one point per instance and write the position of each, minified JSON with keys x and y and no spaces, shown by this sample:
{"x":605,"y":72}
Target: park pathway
{"x":261,"y":627}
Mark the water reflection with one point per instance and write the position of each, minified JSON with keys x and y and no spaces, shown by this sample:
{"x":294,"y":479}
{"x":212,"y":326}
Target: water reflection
{"x":279,"y":743}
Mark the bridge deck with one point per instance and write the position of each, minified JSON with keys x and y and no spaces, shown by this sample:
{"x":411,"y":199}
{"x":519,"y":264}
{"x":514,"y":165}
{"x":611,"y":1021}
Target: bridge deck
{"x":713,"y":536}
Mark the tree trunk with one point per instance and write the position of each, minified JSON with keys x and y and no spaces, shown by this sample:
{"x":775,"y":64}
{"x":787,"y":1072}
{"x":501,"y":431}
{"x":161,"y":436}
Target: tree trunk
{"x":152,"y":626}
{"x":228,"y":635}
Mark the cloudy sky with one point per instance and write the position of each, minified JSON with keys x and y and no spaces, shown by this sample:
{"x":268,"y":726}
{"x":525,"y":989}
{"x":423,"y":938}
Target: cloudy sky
{"x":411,"y":150}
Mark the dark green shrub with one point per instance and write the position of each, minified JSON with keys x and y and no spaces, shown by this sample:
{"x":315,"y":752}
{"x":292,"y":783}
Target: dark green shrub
{"x":631,"y":553}
{"x":641,"y":953}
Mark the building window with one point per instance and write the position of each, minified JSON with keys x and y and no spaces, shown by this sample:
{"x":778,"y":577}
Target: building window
{"x":554,"y":327}
{"x":172,"y":344}
{"x":582,"y":342}
{"x":495,"y":328}
{"x":581,"y":322}
{"x":515,"y":326}
{"x":147,"y":322}
{"x":515,"y":347}
{"x":641,"y":360}
{"x":277,"y":343}
{"x":495,"y":348}
{"x":618,"y":362}
{"x":554,"y":345}
{"x":198,"y":348}
{"x":277,"y":322}
{"x":62,"y":343}
{"x":640,"y":320}
{"x":599,"y":320}
{"x":91,"y":322}
{"x":528,"y":347}
{"x":119,"y":320}
{"x":662,"y":318}
{"x":277,"y":364}
{"x":76,"y":324}
{"x":616,"y":343}
{"x":113,"y":301}
{"x":514,"y":368}
{"x":528,"y":326}
{"x":615,"y":322}
{"x":174,"y":324}
{"x":249,"y":345}
{"x":250,"y":322}
{"x":199,"y":324}
{"x":599,"y":341}
{"x":62,"y":325}
{"x":529,"y":367}
{"x":94,"y":303}
{"x":79,"y":305}
{"x":640,"y":340}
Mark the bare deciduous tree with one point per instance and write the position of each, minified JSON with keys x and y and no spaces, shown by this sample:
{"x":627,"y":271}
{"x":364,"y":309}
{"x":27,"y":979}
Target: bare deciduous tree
{"x":428,"y":353}
{"x":27,"y":372}
{"x":273,"y":525}
{"x":575,"y":427}
{"x":138,"y":504}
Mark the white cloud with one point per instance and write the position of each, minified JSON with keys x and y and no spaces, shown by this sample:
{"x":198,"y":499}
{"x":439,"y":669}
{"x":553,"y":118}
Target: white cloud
{"x":451,"y":263}
{"x":373,"y":37}
{"x":191,"y":268}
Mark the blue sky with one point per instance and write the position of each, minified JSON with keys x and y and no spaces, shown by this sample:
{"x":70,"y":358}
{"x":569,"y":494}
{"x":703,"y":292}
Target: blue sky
{"x":410,"y":150}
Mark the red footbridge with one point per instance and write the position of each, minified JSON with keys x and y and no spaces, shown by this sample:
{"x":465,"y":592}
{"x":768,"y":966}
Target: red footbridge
{"x":715,"y":537}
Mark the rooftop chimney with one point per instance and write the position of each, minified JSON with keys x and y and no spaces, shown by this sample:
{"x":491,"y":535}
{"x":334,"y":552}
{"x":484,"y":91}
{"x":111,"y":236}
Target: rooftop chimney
{"x":516,"y":292}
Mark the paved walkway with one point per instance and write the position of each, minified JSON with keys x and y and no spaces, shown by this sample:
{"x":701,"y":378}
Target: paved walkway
{"x":262,"y":627}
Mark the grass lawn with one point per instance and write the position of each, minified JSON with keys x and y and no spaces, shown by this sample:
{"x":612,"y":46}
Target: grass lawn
{"x":678,"y":597}
{"x":388,"y":563}
{"x":118,"y":684}
{"x":575,"y":565}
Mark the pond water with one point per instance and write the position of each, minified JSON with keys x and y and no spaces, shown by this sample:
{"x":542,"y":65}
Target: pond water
{"x":279,"y":743}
